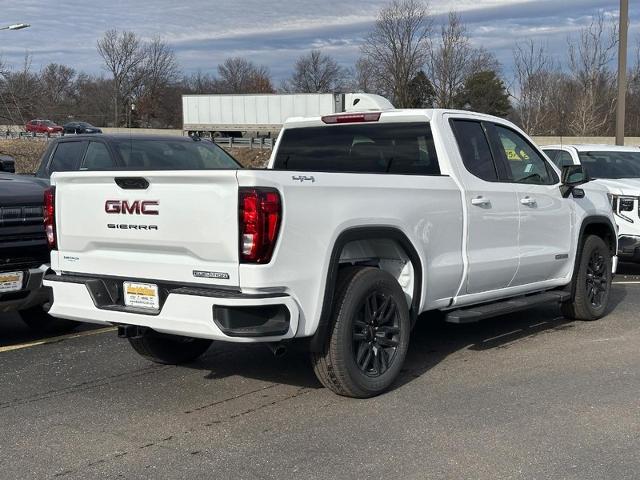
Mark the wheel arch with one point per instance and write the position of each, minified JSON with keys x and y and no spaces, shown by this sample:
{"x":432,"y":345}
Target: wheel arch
{"x":602,"y":227}
{"x":355,"y":234}
{"x":594,"y":225}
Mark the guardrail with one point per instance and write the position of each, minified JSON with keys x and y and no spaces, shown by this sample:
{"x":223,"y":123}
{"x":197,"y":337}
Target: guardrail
{"x":245,"y":142}
{"x":257,"y":143}
{"x":30,"y":135}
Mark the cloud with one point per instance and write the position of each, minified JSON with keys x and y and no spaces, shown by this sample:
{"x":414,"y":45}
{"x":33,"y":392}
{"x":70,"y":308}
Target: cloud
{"x":272,"y":32}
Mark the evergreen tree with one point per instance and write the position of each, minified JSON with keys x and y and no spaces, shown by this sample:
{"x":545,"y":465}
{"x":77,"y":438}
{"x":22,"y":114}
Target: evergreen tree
{"x":485,"y":92}
{"x":421,"y":92}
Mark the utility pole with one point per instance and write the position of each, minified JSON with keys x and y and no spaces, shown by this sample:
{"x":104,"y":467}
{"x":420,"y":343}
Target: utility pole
{"x":622,"y":71}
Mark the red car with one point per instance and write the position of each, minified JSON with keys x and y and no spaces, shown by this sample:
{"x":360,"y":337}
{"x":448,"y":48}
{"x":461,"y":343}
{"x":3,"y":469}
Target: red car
{"x":42,"y":126}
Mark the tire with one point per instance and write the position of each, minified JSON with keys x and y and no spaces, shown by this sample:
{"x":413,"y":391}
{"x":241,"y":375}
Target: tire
{"x":40,"y":321}
{"x":369,"y":334}
{"x":591,"y":282}
{"x":169,"y":349}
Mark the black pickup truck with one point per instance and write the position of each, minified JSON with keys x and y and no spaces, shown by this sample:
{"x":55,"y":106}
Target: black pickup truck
{"x":24,"y":253}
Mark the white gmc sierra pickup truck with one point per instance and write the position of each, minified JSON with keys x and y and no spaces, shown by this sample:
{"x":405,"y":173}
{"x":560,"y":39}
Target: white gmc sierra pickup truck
{"x":361,"y":222}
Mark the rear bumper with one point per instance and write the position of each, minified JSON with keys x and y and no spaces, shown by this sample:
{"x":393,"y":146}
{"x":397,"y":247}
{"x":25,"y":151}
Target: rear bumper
{"x":193,"y":312}
{"x":31,"y":295}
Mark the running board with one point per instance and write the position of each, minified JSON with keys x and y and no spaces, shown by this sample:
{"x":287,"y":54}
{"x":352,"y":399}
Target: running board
{"x":515,"y":304}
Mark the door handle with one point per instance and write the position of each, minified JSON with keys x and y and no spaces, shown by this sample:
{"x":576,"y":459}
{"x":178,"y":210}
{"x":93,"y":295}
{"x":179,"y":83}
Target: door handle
{"x":480,"y":201}
{"x":529,"y":201}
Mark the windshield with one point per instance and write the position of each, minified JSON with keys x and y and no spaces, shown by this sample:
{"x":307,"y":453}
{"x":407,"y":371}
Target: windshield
{"x":611,"y":164}
{"x":159,"y":154}
{"x":48,"y":122}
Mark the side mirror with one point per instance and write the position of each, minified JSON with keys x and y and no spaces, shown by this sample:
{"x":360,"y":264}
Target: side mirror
{"x":7,"y":164}
{"x":572,"y":176}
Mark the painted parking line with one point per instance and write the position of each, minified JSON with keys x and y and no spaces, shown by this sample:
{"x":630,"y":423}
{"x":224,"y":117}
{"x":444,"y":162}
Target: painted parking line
{"x":630,"y":282}
{"x":60,"y":338}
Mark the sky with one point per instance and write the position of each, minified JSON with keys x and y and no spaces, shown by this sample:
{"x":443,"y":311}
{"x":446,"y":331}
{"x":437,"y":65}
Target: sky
{"x":275,"y":32}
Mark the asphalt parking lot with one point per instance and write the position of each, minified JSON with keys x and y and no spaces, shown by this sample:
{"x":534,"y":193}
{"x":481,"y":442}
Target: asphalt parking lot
{"x":529,"y":395}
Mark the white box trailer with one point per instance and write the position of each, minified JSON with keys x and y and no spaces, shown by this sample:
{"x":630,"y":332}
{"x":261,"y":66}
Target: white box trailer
{"x":231,"y":115}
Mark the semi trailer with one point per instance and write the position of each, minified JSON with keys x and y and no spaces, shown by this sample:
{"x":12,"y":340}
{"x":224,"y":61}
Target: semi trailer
{"x":232,"y":115}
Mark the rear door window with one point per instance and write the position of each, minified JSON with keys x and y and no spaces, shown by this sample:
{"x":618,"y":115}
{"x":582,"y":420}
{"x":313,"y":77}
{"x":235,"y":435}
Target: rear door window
{"x":66,"y":157}
{"x":474,"y":149}
{"x":394,"y":148}
{"x":97,"y":157}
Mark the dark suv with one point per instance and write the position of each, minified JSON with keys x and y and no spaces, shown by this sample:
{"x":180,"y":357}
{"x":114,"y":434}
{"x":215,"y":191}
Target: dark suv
{"x":24,"y":254}
{"x":125,"y":152}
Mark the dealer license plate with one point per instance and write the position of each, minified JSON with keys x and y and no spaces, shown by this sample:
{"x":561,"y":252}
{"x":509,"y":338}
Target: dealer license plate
{"x":141,"y":295}
{"x":11,"y":281}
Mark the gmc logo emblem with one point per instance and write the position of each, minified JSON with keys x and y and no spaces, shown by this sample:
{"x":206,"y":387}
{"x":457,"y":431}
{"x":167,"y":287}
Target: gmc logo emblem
{"x":137,"y":207}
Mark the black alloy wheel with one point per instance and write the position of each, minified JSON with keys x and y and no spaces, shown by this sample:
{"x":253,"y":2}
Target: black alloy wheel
{"x":591,"y":283}
{"x":368,"y":338}
{"x":596,"y":281}
{"x":376,"y":334}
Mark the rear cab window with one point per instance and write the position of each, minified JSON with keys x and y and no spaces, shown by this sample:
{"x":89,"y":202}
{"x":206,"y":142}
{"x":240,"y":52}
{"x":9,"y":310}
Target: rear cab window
{"x":403,"y":148}
{"x":157,"y":154}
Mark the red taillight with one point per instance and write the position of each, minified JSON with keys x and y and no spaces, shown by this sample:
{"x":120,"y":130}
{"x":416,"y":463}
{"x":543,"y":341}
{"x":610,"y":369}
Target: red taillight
{"x":352,"y":118}
{"x":259,"y":222}
{"x":49,"y":214}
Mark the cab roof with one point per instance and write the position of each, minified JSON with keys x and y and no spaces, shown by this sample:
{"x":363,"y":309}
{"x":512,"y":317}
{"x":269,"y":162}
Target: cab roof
{"x":592,"y":147}
{"x":390,"y":115}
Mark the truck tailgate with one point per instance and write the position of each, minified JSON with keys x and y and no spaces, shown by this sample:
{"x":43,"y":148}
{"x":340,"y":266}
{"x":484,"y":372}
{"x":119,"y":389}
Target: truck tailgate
{"x":183,"y":227}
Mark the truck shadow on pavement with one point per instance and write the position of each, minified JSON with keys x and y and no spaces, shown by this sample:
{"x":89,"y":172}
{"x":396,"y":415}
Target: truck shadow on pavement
{"x":432,"y":341}
{"x":13,"y":331}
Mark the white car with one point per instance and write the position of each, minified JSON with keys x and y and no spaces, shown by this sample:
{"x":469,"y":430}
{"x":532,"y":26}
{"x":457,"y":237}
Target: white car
{"x":361,"y":222}
{"x":616,"y":168}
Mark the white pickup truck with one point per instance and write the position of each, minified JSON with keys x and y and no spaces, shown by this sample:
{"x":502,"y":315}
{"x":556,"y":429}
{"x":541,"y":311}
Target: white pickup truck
{"x":617,"y":169}
{"x":361,"y":222}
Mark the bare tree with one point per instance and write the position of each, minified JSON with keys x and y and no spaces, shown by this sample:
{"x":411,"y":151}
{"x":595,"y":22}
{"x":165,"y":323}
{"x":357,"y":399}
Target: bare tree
{"x":93,"y":102}
{"x":261,"y":81}
{"x":454,"y":59}
{"x":5,"y":104}
{"x":238,"y":75}
{"x":365,"y":79}
{"x":57,"y":87}
{"x":589,"y":59}
{"x":157,"y":72}
{"x":533,"y":68}
{"x":160,"y":66}
{"x":200,"y":82}
{"x":123,"y":55}
{"x":633,"y":96}
{"x":398,"y":47}
{"x":20,"y":92}
{"x":317,"y":73}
